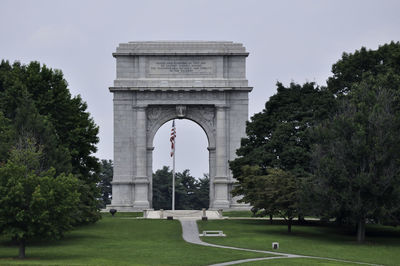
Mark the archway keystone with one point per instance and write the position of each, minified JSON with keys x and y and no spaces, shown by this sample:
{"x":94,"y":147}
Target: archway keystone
{"x":159,"y":81}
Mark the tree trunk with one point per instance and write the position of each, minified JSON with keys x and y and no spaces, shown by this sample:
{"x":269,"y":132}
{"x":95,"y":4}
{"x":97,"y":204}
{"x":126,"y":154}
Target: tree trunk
{"x":361,"y":230}
{"x":289,"y":226}
{"x":270,"y":218}
{"x":21,"y":249}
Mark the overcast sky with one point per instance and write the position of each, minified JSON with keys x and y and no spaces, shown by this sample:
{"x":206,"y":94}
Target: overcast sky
{"x":287,"y":40}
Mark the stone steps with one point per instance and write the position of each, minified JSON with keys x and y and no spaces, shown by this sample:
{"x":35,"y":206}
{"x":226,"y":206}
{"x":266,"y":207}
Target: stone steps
{"x":178,"y":214}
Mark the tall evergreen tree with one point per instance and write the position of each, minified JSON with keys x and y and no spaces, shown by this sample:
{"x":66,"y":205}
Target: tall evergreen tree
{"x":189,"y":192}
{"x":162,"y":189}
{"x":363,"y":131}
{"x":27,"y":120}
{"x":7,"y":136}
{"x":357,"y":170}
{"x":106,"y":176}
{"x":203,"y":192}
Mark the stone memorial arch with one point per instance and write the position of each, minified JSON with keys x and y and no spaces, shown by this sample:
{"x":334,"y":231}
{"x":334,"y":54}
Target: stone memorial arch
{"x":159,"y":81}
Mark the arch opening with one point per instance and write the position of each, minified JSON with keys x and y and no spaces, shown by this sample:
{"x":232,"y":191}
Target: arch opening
{"x":192,"y":183}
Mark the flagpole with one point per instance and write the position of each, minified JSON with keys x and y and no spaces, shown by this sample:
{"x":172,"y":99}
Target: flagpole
{"x":173,"y":165}
{"x":173,"y":178}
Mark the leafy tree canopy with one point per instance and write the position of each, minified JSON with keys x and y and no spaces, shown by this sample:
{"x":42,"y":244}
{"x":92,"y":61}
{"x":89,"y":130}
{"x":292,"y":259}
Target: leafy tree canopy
{"x":383,"y":63}
{"x":275,"y":191}
{"x":106,"y":176}
{"x":35,"y":203}
{"x":35,"y":99}
{"x":190,"y":193}
{"x":278,"y":137}
{"x":357,"y":170}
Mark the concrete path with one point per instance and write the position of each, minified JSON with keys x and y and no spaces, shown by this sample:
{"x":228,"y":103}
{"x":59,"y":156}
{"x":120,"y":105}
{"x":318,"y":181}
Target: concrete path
{"x":190,"y":234}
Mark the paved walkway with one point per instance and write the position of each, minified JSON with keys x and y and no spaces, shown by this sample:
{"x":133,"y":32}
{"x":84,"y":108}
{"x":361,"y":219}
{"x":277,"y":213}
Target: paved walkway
{"x":190,"y":234}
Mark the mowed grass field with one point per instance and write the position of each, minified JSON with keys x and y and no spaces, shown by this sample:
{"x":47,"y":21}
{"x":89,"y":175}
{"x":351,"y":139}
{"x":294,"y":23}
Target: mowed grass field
{"x":120,"y":240}
{"x":125,"y":240}
{"x":382,"y":244}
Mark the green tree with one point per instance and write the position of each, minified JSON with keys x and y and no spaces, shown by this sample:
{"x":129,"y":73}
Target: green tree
{"x":189,"y":192}
{"x":35,"y":202}
{"x":106,"y":176}
{"x":203,"y":192}
{"x":357,"y":170}
{"x":278,"y":137}
{"x":276,"y":191}
{"x":6,"y":137}
{"x":186,"y":191}
{"x":36,"y":99}
{"x":27,"y":120}
{"x":383,"y":63}
{"x":162,"y":189}
{"x":370,"y":74}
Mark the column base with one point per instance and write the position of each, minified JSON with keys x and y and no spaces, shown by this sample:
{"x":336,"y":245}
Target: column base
{"x":240,"y":207}
{"x":220,"y":204}
{"x":141,"y":205}
{"x":120,"y":208}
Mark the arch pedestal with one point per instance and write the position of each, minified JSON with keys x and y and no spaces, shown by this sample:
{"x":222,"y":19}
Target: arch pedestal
{"x":160,"y":81}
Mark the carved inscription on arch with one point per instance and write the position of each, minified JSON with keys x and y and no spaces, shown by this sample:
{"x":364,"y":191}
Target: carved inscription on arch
{"x":182,"y":66}
{"x":182,"y":95}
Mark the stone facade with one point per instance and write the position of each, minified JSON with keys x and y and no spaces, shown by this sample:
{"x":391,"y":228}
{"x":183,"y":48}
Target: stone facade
{"x":160,"y":81}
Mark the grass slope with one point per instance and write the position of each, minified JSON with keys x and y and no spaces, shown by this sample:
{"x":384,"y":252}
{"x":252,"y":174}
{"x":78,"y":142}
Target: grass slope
{"x":237,"y":214}
{"x":298,"y":262}
{"x":120,"y":240}
{"x":382,"y":244}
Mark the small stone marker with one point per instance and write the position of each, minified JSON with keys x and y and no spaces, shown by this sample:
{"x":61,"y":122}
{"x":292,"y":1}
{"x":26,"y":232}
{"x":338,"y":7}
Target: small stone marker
{"x":170,"y":217}
{"x":275,"y":245}
{"x":204,"y":217}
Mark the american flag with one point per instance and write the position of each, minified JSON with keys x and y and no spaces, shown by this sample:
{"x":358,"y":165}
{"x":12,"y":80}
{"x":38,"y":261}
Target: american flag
{"x":172,"y":138}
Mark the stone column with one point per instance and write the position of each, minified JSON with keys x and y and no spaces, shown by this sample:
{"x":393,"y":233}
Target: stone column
{"x":150,"y":174}
{"x":221,"y":199}
{"x":141,"y":181}
{"x":124,"y":120}
{"x":211,"y":162}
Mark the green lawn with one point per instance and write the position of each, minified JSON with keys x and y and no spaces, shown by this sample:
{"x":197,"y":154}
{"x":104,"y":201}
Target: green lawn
{"x":382,"y":243}
{"x":298,"y":262}
{"x":121,"y":240}
{"x":238,"y":214}
{"x":125,"y":240}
